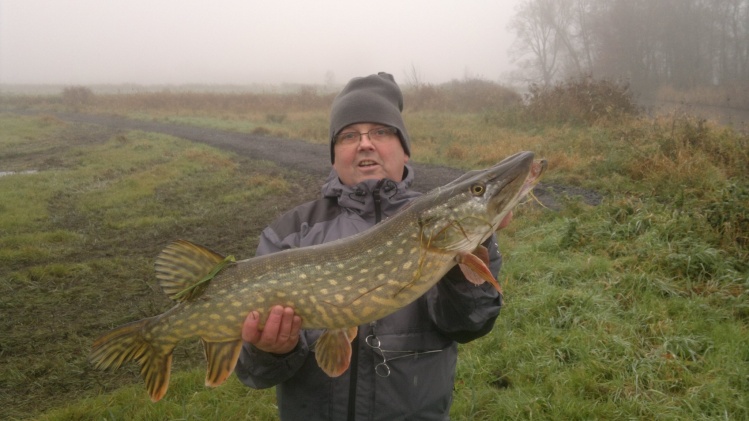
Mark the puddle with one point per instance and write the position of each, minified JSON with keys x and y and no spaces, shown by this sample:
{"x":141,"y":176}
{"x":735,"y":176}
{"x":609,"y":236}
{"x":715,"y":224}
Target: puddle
{"x":4,"y":173}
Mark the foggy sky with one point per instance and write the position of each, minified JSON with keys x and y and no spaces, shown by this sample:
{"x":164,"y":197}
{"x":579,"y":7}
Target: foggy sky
{"x":79,"y":42}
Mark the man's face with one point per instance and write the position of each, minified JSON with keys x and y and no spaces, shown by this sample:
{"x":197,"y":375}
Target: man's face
{"x":369,"y":158}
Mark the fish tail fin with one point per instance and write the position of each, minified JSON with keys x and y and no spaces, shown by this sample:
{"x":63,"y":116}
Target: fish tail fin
{"x":128,"y":343}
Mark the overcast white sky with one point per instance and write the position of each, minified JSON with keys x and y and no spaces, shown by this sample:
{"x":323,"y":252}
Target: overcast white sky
{"x":250,"y":41}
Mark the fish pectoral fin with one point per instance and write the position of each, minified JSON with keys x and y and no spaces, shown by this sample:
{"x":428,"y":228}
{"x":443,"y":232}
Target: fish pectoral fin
{"x":184,"y":269}
{"x":476,"y":271}
{"x":222,"y":358}
{"x":333,"y":350}
{"x":482,"y":253}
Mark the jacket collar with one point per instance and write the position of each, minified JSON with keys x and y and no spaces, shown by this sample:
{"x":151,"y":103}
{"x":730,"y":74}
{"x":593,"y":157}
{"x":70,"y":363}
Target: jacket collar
{"x":360,"y":198}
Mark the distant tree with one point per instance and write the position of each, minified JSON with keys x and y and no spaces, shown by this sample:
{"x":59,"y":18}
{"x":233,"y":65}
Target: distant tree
{"x":536,"y":34}
{"x":730,"y":36}
{"x":649,"y":43}
{"x":414,"y":79}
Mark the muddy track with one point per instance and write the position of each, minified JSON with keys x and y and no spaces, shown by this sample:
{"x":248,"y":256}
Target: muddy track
{"x":302,"y":156}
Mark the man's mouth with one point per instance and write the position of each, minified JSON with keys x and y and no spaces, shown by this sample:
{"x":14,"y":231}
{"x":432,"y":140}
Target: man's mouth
{"x":367,"y":163}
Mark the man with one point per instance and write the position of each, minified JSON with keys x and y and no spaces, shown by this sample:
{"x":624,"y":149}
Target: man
{"x":403,"y":366}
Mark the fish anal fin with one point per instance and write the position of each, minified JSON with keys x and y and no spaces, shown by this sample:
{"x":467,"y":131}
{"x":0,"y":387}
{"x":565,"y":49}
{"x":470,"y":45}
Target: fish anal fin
{"x":184,"y":269}
{"x":156,"y":369}
{"x":352,"y":332}
{"x":476,"y":271}
{"x":222,"y":358}
{"x":333,"y":350}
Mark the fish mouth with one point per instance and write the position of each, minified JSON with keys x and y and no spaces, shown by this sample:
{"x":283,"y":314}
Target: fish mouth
{"x":524,"y":175}
{"x":537,"y":169}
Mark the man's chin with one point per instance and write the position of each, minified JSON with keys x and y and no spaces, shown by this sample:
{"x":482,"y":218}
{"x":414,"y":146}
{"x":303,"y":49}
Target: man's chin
{"x":373,"y":172}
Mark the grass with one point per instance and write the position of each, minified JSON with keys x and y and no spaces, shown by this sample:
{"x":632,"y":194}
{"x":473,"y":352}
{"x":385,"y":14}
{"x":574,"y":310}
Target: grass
{"x":635,"y":308}
{"x":591,"y":334}
{"x":78,"y":238}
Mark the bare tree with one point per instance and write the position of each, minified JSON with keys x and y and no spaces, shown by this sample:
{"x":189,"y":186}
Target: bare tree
{"x":414,"y":79}
{"x":536,"y":36}
{"x":683,"y":43}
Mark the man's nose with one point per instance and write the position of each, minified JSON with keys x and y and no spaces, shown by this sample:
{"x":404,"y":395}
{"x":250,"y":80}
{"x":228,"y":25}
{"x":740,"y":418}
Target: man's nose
{"x":365,"y":142}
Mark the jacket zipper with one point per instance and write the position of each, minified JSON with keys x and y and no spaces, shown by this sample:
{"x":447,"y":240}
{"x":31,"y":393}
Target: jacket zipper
{"x":354,"y":367}
{"x":378,"y":201}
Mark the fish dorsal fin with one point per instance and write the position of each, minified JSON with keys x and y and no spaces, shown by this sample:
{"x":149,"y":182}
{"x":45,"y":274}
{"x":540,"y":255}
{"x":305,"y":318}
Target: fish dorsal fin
{"x":184,"y":269}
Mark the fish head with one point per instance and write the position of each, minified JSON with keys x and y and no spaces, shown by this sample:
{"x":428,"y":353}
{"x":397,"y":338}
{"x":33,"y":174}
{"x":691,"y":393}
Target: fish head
{"x":467,"y":211}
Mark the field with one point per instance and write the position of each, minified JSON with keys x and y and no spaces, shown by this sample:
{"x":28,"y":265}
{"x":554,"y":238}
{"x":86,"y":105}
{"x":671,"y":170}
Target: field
{"x":635,"y":308}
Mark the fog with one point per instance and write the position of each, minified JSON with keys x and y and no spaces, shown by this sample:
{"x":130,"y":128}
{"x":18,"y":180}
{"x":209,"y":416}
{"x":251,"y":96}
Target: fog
{"x":84,"y":42}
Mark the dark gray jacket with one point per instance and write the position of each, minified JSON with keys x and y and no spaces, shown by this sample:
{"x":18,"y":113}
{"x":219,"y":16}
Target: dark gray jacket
{"x":419,"y":341}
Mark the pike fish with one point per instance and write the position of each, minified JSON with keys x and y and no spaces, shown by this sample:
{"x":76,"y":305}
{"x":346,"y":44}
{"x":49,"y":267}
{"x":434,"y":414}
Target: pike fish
{"x":335,"y":286}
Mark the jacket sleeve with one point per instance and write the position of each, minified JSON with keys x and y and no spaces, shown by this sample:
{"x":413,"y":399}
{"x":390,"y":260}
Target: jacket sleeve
{"x":461,"y":310}
{"x":258,"y":369}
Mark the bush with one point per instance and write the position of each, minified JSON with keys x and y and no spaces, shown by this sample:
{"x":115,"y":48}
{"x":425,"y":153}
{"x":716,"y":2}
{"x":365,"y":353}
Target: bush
{"x":579,"y":101}
{"x":275,"y":118}
{"x":76,"y":97}
{"x":470,"y":95}
{"x":729,"y":214}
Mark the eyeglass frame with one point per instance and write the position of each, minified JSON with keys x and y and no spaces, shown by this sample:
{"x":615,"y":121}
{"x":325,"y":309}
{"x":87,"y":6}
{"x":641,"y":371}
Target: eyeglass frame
{"x":391,"y":132}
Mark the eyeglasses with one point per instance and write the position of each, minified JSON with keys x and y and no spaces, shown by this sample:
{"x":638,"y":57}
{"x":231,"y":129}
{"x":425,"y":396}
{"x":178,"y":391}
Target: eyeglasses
{"x":377,"y":134}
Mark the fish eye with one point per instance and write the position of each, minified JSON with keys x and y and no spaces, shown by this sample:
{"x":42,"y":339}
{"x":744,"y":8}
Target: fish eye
{"x":478,"y":189}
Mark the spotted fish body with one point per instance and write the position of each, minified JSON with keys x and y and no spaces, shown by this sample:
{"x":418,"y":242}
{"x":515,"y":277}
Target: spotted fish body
{"x":335,"y":286}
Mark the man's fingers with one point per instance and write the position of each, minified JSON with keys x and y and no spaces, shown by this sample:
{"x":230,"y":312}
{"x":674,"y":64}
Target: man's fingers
{"x":284,"y":330}
{"x":250,"y":332}
{"x":269,"y":335}
{"x":279,"y":335}
{"x":296,"y":326}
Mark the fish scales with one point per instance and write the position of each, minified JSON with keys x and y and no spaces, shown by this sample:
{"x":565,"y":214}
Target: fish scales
{"x":334,"y":286}
{"x":320,"y":292}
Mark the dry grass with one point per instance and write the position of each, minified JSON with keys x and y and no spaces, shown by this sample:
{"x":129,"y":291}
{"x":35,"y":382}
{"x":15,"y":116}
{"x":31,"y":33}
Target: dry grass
{"x":723,"y":96}
{"x":637,"y":308}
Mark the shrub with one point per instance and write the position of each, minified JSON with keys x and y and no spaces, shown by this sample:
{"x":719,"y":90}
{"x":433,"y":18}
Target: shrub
{"x":275,"y":118}
{"x":470,"y":95}
{"x":579,"y":101}
{"x":76,"y":97}
{"x":729,"y":214}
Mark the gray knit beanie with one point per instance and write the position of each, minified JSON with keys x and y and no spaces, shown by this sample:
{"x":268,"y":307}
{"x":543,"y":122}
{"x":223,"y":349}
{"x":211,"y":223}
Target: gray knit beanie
{"x":372,"y":99}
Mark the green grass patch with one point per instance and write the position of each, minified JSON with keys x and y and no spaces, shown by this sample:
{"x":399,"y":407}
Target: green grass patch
{"x":77,"y":243}
{"x":188,"y":400}
{"x":637,"y":308}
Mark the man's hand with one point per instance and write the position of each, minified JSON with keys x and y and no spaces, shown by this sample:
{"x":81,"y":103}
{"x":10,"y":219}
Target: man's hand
{"x":280,"y":333}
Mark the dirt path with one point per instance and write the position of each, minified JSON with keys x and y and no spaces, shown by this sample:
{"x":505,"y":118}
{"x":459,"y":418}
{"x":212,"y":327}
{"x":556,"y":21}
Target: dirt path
{"x":302,"y":156}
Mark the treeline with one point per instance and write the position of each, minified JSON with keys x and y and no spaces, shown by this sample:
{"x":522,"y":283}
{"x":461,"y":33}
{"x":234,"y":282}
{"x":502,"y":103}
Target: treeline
{"x":469,"y":95}
{"x":684,"y":44}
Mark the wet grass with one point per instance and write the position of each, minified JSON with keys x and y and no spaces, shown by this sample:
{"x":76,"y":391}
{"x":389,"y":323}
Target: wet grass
{"x":78,"y":238}
{"x":637,"y":308}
